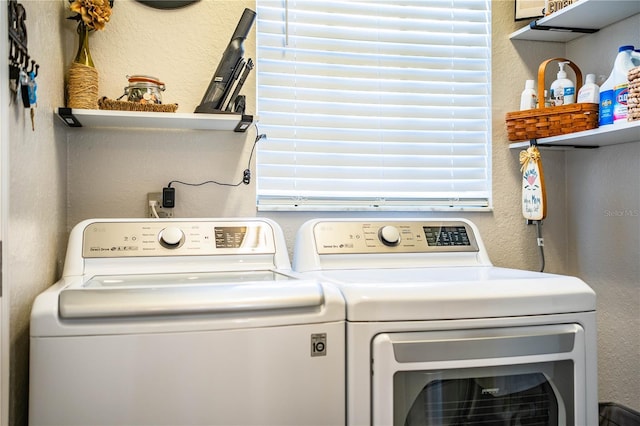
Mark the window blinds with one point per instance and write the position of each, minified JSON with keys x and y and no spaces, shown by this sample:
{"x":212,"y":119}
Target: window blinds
{"x":373,"y":105}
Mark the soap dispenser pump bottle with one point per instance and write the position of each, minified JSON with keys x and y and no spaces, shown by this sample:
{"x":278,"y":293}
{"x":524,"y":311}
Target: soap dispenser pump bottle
{"x":563,"y":90}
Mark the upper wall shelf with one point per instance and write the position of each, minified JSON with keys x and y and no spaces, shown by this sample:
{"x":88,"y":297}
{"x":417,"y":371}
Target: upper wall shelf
{"x":154,"y":120}
{"x":583,"y":16}
{"x":612,"y":134}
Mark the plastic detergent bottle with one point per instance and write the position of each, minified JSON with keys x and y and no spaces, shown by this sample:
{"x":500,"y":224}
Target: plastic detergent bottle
{"x":589,"y":92}
{"x":528,"y":99}
{"x":563,"y":91}
{"x":614,"y":91}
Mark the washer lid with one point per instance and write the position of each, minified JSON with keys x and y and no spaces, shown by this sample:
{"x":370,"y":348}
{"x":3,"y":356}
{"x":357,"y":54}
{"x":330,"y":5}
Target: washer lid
{"x":172,"y":294}
{"x":456,"y":293}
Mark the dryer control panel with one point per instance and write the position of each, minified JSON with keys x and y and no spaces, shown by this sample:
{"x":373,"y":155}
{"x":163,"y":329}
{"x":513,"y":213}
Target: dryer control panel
{"x":156,"y":238}
{"x":345,"y":237}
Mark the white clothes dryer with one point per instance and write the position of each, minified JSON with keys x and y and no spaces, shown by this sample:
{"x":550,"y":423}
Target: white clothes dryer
{"x":185,"y":322}
{"x":436,"y":335}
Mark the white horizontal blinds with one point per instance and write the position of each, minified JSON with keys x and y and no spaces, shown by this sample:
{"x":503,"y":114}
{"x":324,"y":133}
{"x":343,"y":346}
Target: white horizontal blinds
{"x":373,"y":104}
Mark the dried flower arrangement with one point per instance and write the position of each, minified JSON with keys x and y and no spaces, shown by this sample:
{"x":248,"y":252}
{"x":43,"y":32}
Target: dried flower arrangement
{"x":92,"y":13}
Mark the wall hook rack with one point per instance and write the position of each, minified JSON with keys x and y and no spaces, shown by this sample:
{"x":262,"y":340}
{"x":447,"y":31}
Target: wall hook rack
{"x":19,"y":59}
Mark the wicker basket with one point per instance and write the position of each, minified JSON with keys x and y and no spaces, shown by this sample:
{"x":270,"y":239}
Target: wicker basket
{"x":551,"y":121}
{"x":110,"y":104}
{"x":633,"y":100}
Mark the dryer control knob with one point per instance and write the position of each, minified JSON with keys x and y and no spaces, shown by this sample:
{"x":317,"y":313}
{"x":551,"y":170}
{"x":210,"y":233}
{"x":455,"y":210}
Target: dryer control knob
{"x":171,"y":237}
{"x":389,"y":235}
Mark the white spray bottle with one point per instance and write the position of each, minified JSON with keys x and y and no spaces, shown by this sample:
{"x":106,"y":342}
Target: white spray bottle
{"x":563,"y":91}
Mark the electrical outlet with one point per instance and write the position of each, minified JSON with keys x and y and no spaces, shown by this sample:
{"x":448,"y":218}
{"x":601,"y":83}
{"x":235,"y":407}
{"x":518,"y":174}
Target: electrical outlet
{"x":162,"y":212}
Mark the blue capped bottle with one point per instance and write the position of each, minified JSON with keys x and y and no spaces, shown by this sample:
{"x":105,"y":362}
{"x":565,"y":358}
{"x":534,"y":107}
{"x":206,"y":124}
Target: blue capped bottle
{"x":615,"y":90}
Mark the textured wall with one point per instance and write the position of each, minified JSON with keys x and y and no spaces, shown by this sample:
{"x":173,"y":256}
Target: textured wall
{"x":603,"y":217}
{"x":36,"y":237}
{"x":110,"y":171}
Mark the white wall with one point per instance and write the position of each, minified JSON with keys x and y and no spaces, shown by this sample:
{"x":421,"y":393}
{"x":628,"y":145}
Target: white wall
{"x":4,"y":141}
{"x":111,"y":171}
{"x":603,"y":217}
{"x":36,"y":232}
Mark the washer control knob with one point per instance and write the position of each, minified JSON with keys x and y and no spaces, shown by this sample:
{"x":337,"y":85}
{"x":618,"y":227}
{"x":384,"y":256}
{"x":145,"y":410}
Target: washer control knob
{"x":389,"y":235}
{"x":171,"y":237}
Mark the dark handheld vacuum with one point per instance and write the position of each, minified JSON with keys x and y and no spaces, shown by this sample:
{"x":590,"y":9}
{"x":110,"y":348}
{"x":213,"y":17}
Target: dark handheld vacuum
{"x":225,"y":84}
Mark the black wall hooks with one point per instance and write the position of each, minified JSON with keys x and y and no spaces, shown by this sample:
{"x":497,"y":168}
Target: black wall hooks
{"x":22,"y":68}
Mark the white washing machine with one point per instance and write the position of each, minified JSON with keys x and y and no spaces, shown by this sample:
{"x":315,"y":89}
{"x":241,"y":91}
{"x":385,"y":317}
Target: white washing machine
{"x":436,"y":335}
{"x":185,"y":322}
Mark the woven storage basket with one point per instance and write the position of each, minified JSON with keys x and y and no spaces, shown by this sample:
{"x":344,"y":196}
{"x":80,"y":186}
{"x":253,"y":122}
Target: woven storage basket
{"x":633,"y":100}
{"x":551,"y":121}
{"x":113,"y":105}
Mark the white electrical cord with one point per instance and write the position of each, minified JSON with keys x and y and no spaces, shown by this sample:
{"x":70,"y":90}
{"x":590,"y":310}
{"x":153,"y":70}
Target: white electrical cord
{"x":152,"y":204}
{"x":540,"y":242}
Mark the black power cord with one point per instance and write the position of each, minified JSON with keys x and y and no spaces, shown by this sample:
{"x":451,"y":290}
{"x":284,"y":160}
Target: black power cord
{"x":246,"y":174}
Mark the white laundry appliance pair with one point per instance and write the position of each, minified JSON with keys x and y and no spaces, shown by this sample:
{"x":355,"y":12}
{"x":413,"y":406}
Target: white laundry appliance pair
{"x":192,"y":322}
{"x":202,"y":322}
{"x":436,"y":335}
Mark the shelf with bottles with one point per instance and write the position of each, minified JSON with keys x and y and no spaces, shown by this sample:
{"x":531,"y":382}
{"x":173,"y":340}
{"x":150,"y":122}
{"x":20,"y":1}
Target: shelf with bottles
{"x":612,"y":134}
{"x":154,"y":120}
{"x":580,"y":18}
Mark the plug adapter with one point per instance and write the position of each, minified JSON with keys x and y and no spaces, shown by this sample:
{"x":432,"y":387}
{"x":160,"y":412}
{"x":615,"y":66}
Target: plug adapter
{"x":246,"y":177}
{"x":168,"y":197}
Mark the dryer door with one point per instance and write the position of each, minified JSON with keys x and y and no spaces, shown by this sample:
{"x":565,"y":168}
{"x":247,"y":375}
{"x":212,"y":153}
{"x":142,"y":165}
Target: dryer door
{"x":506,"y":376}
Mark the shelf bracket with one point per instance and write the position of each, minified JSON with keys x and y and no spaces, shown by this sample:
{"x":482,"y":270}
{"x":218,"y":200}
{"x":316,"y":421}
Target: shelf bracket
{"x":570,"y":146}
{"x":534,"y":26}
{"x":243,"y":125}
{"x":68,"y":118}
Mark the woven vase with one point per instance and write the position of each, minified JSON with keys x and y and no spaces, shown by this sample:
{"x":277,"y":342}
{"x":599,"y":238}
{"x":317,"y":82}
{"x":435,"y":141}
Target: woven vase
{"x":82,"y":83}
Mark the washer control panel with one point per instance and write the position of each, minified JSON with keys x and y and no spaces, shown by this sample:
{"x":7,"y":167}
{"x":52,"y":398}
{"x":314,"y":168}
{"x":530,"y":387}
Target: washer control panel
{"x":200,"y":238}
{"x":394,"y":237}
